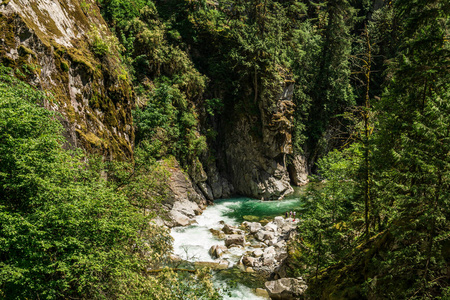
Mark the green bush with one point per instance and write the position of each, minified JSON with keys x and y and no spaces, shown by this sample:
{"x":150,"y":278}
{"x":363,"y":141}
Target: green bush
{"x":65,"y":232}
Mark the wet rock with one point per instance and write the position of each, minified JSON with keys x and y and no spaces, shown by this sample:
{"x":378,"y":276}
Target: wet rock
{"x":217,"y":251}
{"x":217,"y":233}
{"x":257,"y":253}
{"x":254,"y":227}
{"x":248,"y":261}
{"x":228,"y":229}
{"x":261,"y":293}
{"x":286,"y":288}
{"x":235,"y":239}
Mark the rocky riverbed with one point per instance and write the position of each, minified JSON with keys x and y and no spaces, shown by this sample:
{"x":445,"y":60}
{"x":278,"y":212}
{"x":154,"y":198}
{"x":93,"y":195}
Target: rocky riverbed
{"x":257,"y":248}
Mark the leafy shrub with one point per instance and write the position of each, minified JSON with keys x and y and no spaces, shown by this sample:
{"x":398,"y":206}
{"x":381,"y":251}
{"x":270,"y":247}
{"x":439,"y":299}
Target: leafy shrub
{"x":65,"y":232}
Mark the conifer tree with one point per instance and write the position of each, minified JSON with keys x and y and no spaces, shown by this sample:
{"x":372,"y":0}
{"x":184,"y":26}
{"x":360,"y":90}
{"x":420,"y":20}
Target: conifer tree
{"x":332,"y":91}
{"x":413,"y":156}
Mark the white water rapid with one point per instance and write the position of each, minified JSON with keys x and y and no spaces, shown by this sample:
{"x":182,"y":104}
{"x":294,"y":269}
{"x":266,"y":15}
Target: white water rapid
{"x":193,"y":242}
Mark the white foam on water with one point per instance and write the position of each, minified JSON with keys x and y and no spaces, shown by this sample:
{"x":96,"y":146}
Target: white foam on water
{"x":193,"y":242}
{"x":240,"y":292}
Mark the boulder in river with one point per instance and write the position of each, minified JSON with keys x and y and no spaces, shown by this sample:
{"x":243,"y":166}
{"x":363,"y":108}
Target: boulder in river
{"x":286,"y":288}
{"x":263,"y":235}
{"x":254,"y":227}
{"x":217,"y":233}
{"x":228,"y":229}
{"x":217,"y":250}
{"x":257,"y":253}
{"x":248,"y":261}
{"x":235,"y":239}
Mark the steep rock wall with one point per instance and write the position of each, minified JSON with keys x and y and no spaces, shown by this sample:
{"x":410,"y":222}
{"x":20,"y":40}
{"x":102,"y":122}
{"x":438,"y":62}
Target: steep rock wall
{"x":256,"y":159}
{"x":50,"y":44}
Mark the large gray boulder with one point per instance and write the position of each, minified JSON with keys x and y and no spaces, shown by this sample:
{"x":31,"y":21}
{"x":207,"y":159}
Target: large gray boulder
{"x":235,"y":239}
{"x":263,"y":235}
{"x":286,"y":288}
{"x":254,"y":227}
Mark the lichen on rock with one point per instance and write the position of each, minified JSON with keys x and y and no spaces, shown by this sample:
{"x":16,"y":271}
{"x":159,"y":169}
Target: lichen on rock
{"x":48,"y":44}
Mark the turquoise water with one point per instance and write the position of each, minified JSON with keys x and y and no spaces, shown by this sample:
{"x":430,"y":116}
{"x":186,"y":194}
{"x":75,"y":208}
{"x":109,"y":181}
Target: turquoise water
{"x":246,"y":209}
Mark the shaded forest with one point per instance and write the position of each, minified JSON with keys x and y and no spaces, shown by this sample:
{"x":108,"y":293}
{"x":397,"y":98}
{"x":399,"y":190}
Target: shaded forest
{"x":371,"y":116}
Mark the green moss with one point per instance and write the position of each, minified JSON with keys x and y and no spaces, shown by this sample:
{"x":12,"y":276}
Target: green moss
{"x":113,"y":99}
{"x":64,"y":66}
{"x":23,"y":51}
{"x":79,"y":58}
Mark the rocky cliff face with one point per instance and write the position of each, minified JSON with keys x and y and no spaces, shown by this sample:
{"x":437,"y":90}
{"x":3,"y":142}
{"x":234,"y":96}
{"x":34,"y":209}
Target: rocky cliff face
{"x":256,"y":159}
{"x":65,"y":48}
{"x":54,"y":46}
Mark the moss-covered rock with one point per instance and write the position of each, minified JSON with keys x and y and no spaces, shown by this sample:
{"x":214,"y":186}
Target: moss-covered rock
{"x":50,"y":45}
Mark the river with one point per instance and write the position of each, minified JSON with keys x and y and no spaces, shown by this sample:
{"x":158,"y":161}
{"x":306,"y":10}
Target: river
{"x":193,"y":242}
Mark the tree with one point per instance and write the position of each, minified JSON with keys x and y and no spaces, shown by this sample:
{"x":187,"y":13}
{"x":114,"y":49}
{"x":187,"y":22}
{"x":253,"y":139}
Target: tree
{"x":332,"y":92}
{"x":413,"y":146}
{"x":65,"y":232}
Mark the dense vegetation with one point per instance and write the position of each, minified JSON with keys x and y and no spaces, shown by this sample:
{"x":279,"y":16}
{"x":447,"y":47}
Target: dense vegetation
{"x":65,"y":232}
{"x":372,"y":97}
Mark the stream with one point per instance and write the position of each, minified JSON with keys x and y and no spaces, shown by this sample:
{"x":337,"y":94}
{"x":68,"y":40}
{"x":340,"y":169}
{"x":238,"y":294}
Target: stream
{"x":193,"y":242}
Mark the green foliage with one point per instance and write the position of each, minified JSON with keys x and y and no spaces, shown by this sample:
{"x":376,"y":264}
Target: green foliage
{"x":65,"y":232}
{"x":327,"y":232}
{"x":213,"y":106}
{"x":412,"y":157}
{"x":168,"y":124}
{"x":100,"y":45}
{"x":406,"y":255}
